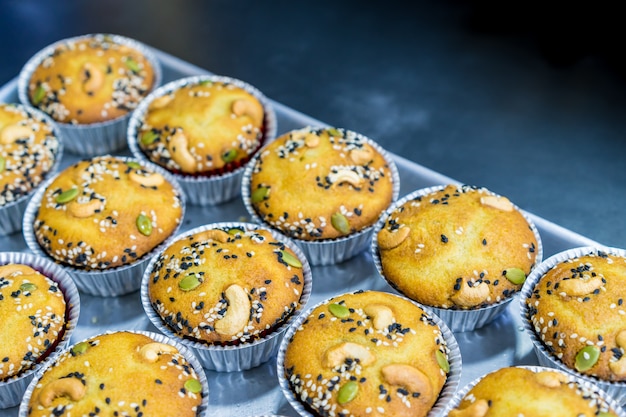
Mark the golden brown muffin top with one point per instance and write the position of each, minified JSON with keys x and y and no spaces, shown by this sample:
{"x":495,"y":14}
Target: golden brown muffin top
{"x":90,"y":80}
{"x":32,"y":313}
{"x":226,"y":285}
{"x":577,"y":310}
{"x":121,"y":374}
{"x":106,"y":212}
{"x":518,"y":391}
{"x":367,"y":353}
{"x":315,"y":184}
{"x":28,"y":151}
{"x":203,"y":128}
{"x":459,"y":247}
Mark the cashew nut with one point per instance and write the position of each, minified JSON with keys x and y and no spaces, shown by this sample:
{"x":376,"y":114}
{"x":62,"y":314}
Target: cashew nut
{"x":577,"y":287}
{"x":619,"y":367}
{"x":409,"y":377}
{"x":177,"y":146}
{"x":214,"y":234}
{"x":477,"y":409}
{"x":550,"y":379}
{"x":389,"y":239}
{"x":93,"y":78}
{"x":151,"y":351}
{"x":82,"y":210}
{"x":160,"y":102}
{"x":12,"y":133}
{"x":345,"y":175}
{"x":362,"y":156}
{"x":238,"y":313}
{"x":500,"y":203}
{"x":337,"y":355}
{"x":64,"y":387}
{"x":151,"y":180}
{"x":250,"y":108}
{"x":10,"y":269}
{"x":468,"y":296}
{"x":382,"y":316}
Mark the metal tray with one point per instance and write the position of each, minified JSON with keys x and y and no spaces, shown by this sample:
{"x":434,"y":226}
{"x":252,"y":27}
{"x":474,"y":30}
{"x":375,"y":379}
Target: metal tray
{"x":256,"y":392}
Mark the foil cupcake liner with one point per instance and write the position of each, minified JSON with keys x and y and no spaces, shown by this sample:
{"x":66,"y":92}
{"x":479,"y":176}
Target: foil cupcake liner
{"x":202,"y":190}
{"x":245,"y":355}
{"x":94,"y":138}
{"x":592,"y":390}
{"x":12,"y":390}
{"x":329,"y":251}
{"x":616,"y":390}
{"x":183,"y":350}
{"x":457,"y":320}
{"x":11,"y":213}
{"x":101,"y":282}
{"x":445,"y":396}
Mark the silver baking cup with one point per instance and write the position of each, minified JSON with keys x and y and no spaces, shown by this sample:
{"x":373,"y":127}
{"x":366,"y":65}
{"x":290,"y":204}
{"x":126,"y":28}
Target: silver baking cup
{"x":12,"y":390}
{"x":457,"y":320}
{"x":202,"y":190}
{"x":11,"y":213}
{"x":245,"y":355}
{"x":591,"y":391}
{"x":617,"y":390}
{"x":328,"y":251}
{"x":94,"y":138}
{"x":445,"y":396}
{"x":101,"y":282}
{"x":183,"y":350}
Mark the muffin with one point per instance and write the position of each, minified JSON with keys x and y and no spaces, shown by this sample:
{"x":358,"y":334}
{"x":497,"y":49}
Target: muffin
{"x":323,"y":187}
{"x":30,"y":150}
{"x":532,"y":392}
{"x":103,"y":214}
{"x":572,"y":309}
{"x":368,"y":353}
{"x":120,"y":373}
{"x":203,"y":129}
{"x":457,"y":248}
{"x":227,"y":287}
{"x":39,"y":308}
{"x":90,"y":84}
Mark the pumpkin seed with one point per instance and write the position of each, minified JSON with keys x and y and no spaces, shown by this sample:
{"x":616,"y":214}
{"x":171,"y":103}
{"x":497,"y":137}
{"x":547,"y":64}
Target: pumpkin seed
{"x":133,"y":164}
{"x":260,"y":194}
{"x":28,"y":287}
{"x":3,"y":164}
{"x":205,"y":82}
{"x":606,"y":414}
{"x":80,"y":348}
{"x":442,"y":361}
{"x":234,"y":231}
{"x":333,"y":131}
{"x":339,"y":310}
{"x":144,"y":225}
{"x":132,"y":65}
{"x":586,"y":358}
{"x":193,"y":386}
{"x":340,"y":222}
{"x":290,"y":259}
{"x":149,"y":137}
{"x":189,"y":282}
{"x":347,"y":392}
{"x":67,"y":196}
{"x":39,"y":94}
{"x":229,"y":155}
{"x":515,"y":275}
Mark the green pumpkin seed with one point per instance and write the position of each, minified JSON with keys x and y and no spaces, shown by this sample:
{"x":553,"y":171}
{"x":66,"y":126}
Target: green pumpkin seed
{"x":229,"y":155}
{"x":80,"y":348}
{"x":234,"y":231}
{"x":260,"y":194}
{"x":39,"y":94}
{"x":28,"y":287}
{"x":189,"y":282}
{"x":67,"y":196}
{"x":149,"y":137}
{"x":332,"y":131}
{"x":347,"y":392}
{"x":132,"y":65}
{"x":290,"y":259}
{"x":133,"y":164}
{"x":193,"y":386}
{"x":586,"y":358}
{"x":606,"y":414}
{"x":144,"y":225}
{"x":340,"y":222}
{"x":3,"y":164}
{"x":442,"y":361}
{"x":339,"y":310}
{"x":205,"y":82}
{"x":515,"y":275}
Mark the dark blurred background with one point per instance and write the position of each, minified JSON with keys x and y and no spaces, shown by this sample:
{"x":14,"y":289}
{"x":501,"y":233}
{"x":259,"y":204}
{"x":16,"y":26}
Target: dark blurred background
{"x":525,"y":98}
